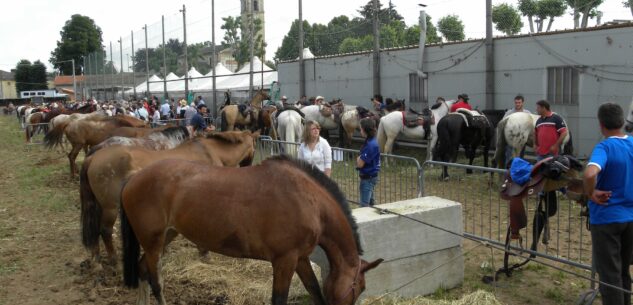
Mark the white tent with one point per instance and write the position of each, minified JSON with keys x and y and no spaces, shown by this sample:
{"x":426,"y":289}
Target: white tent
{"x":307,"y":54}
{"x":142,"y":88}
{"x":179,"y":85}
{"x":242,"y":79}
{"x":206,"y":84}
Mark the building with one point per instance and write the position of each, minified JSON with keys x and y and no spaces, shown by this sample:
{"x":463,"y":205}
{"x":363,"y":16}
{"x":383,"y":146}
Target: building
{"x":7,"y":85}
{"x":575,"y":70}
{"x":64,"y":84}
{"x":258,"y":12}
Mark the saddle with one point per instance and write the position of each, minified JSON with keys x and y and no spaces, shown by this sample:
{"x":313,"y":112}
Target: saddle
{"x":244,"y":110}
{"x":473,"y":119}
{"x":292,"y":108}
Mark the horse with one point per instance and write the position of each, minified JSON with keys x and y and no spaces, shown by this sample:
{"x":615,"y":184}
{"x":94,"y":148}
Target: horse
{"x":494,"y":116}
{"x":395,"y":123}
{"x":310,"y":210}
{"x":517,"y":130}
{"x":350,"y":122}
{"x":167,"y":138}
{"x":102,"y":173}
{"x":86,"y":133}
{"x":290,"y":129}
{"x":265,"y":121}
{"x":322,"y":114}
{"x":628,"y":127}
{"x":232,"y":116}
{"x":22,"y":112}
{"x":466,"y":128}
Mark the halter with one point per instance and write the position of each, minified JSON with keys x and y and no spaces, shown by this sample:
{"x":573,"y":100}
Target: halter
{"x":352,"y":287}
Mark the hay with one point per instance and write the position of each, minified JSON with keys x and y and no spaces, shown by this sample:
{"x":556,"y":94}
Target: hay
{"x":479,"y":297}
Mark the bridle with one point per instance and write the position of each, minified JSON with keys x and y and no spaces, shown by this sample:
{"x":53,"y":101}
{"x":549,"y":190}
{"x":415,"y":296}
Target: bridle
{"x":352,"y":288}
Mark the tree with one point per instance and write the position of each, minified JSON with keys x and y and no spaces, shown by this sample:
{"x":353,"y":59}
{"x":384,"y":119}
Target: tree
{"x":30,"y":76}
{"x":584,"y":8}
{"x":529,"y":8}
{"x":506,"y":19}
{"x":37,"y":76}
{"x":289,"y":48}
{"x":551,"y":9}
{"x":431,"y":32}
{"x":629,"y":4}
{"x":79,"y":36}
{"x":235,"y":30}
{"x":351,"y":44}
{"x":451,"y":28}
{"x":231,"y":27}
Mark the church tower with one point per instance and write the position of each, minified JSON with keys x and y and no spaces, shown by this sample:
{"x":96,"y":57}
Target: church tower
{"x":258,"y":13}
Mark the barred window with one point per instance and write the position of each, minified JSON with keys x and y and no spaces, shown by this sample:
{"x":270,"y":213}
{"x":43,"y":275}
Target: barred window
{"x":416,"y":88}
{"x":562,"y":85}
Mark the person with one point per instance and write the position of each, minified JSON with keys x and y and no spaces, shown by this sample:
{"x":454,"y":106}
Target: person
{"x":198,"y":123}
{"x":318,"y":100}
{"x":284,"y":100}
{"x":607,"y":181}
{"x":155,"y":116}
{"x":227,"y":98}
{"x":165,"y":109}
{"x":314,"y":149}
{"x":550,"y":131}
{"x":462,"y":102}
{"x":378,"y":103}
{"x":303,"y":101}
{"x":518,"y":106}
{"x":182,"y":107}
{"x":142,"y":113}
{"x":368,"y":162}
{"x":191,"y":110}
{"x":200,"y":100}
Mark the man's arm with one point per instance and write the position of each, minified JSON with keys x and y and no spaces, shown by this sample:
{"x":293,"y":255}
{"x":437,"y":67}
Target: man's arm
{"x":589,"y":183}
{"x":559,"y":142}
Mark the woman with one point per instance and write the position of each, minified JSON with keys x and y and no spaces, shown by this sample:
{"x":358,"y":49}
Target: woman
{"x":368,"y":162}
{"x":314,"y":149}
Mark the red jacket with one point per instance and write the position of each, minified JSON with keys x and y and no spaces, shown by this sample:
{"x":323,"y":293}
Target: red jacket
{"x":460,"y":105}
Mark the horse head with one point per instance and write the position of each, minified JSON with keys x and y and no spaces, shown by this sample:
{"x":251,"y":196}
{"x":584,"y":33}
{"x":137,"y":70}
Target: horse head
{"x":346,"y":288}
{"x":325,"y":110}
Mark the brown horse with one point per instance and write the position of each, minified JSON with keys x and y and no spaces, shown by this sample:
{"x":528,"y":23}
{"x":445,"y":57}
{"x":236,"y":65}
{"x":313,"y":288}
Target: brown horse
{"x":265,"y":121}
{"x":210,"y":207}
{"x":87,"y":132}
{"x":102,"y":173}
{"x":231,"y":115}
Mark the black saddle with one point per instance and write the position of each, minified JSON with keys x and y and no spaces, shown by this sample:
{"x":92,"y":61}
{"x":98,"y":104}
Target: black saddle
{"x":292,"y":108}
{"x":474,"y":121}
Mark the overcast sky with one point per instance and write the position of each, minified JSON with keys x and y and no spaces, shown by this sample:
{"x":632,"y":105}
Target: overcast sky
{"x":29,"y":29}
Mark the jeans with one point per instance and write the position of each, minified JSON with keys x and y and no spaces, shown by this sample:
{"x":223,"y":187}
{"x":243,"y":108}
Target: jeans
{"x":612,"y":249}
{"x":367,"y":191}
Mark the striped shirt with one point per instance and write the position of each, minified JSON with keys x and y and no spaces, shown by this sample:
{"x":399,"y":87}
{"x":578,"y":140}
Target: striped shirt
{"x":548,"y":130}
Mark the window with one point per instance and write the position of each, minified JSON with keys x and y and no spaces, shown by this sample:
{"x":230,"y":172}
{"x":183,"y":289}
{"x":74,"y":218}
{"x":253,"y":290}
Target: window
{"x":256,"y":6}
{"x":416,"y":89}
{"x":41,"y":93}
{"x":562,"y":85}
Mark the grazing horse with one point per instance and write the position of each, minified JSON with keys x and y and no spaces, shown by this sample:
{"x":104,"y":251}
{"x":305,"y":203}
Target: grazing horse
{"x":517,"y":130}
{"x":87,"y":132}
{"x":628,"y":127}
{"x":282,"y":227}
{"x":232,"y":116}
{"x":290,"y":128}
{"x":395,"y":122}
{"x":103,"y":172}
{"x":466,"y":128}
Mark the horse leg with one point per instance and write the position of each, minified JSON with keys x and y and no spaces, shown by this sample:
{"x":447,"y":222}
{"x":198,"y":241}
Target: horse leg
{"x":72,"y":156}
{"x":283,"y":269}
{"x":152,"y":259}
{"x":309,"y":280}
{"x":106,"y":235}
{"x":469,"y":151}
{"x":143,"y":284}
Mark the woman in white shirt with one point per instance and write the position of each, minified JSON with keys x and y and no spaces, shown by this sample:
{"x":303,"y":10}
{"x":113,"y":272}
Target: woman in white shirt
{"x":314,"y":149}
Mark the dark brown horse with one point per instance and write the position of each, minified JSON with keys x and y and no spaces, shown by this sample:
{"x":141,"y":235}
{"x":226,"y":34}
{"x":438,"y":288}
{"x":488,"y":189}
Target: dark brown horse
{"x":87,"y":132}
{"x":103,"y":172}
{"x":211,"y":207}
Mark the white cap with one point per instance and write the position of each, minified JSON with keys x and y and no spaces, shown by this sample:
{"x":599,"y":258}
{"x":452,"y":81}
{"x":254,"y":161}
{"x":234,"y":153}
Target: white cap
{"x":284,"y":97}
{"x":319,"y":98}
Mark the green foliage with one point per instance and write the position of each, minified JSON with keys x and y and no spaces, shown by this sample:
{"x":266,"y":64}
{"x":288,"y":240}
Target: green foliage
{"x":30,"y":76}
{"x":236,"y":33}
{"x":431,"y":32}
{"x":352,"y":44}
{"x":79,"y":36}
{"x":451,"y":27}
{"x":550,"y":9}
{"x":583,"y":8}
{"x":506,"y":19}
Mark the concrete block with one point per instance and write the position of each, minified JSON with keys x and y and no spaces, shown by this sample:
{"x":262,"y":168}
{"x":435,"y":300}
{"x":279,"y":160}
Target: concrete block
{"x":410,"y":249}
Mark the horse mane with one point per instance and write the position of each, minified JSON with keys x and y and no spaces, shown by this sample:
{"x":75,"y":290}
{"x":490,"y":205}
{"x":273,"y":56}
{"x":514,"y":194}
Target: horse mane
{"x":175,"y":132}
{"x":437,"y":105}
{"x":329,"y":185}
{"x":228,"y":137}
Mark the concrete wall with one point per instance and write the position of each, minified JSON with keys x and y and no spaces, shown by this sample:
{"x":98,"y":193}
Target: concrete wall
{"x":604,"y":56}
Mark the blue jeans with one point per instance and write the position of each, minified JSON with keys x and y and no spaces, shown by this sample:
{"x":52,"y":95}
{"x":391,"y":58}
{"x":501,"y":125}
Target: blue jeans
{"x":367,"y":191}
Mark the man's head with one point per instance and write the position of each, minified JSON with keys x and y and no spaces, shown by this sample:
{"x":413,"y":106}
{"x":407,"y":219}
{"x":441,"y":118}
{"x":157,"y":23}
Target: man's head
{"x":542,"y":107}
{"x":202,"y":108}
{"x":284,"y":99}
{"x":463,"y":98}
{"x":319,"y":99}
{"x":611,"y":116}
{"x":378,"y":98}
{"x":518,"y":102}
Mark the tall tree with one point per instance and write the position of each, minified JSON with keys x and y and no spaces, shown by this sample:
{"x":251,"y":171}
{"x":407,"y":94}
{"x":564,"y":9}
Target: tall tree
{"x":22,"y":76}
{"x":506,"y":19}
{"x":629,"y":4}
{"x":529,"y":8}
{"x":431,"y":32}
{"x":235,"y":32}
{"x":37,"y":76}
{"x":289,"y":48}
{"x":79,"y":36}
{"x":584,"y":8}
{"x":550,"y":9}
{"x":451,"y":27}
{"x":351,"y":44}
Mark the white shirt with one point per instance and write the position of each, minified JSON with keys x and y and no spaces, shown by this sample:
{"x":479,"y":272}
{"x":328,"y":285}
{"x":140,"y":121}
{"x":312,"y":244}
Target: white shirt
{"x":514,"y":110}
{"x":321,"y":156}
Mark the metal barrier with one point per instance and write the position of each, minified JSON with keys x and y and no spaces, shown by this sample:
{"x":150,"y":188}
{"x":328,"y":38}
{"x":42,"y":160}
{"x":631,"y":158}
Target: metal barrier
{"x":399,"y":178}
{"x":486,"y":215}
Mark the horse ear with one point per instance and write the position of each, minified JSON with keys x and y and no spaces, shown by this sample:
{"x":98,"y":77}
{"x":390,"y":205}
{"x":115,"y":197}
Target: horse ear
{"x":365,"y":266}
{"x":256,"y":133}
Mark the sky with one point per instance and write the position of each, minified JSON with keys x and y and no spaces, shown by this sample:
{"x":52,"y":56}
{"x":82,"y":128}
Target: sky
{"x":30,"y":29}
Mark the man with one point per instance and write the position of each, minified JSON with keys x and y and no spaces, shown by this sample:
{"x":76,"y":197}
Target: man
{"x":462,"y":102}
{"x":377,"y":102}
{"x":318,"y":100}
{"x":550,"y":131}
{"x":284,"y":101}
{"x":303,"y":101}
{"x":142,"y":113}
{"x":518,"y":106}
{"x":199,"y":100}
{"x":165,"y":109}
{"x":197,"y":120}
{"x":189,"y":113}
{"x":608,"y":180}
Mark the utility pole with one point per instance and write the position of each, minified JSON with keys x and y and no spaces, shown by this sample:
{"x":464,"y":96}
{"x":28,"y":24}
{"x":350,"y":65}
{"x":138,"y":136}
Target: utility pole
{"x":146,"y":63}
{"x":184,"y":25}
{"x":112,"y":73}
{"x":302,"y":68}
{"x":490,"y":64}
{"x":96,"y":75}
{"x":421,"y":75}
{"x":74,"y":80}
{"x":121,"y":58}
{"x":252,"y":48}
{"x":86,"y":77}
{"x":213,"y":61}
{"x":133,"y":64}
{"x":376,"y":73}
{"x":164,"y":61}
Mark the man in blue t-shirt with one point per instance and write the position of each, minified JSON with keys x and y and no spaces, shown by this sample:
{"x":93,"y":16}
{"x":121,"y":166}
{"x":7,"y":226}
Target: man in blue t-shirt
{"x":368,"y":162}
{"x":608,"y":181}
{"x":197,"y":121}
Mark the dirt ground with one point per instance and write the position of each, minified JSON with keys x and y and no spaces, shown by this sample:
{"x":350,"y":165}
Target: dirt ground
{"x":42,"y":260}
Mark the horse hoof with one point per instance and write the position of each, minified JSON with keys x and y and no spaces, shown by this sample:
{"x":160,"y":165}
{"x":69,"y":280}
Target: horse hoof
{"x":446,"y":178}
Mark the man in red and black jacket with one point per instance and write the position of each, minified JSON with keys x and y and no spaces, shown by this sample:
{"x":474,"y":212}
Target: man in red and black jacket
{"x":550,"y":131}
{"x":462,"y":102}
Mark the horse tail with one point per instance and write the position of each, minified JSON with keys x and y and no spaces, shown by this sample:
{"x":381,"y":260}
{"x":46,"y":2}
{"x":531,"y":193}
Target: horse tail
{"x":131,"y":249}
{"x":90,"y":209}
{"x":441,"y":148}
{"x":381,"y":136}
{"x":54,"y":136}
{"x":223,"y":124}
{"x":501,"y":145}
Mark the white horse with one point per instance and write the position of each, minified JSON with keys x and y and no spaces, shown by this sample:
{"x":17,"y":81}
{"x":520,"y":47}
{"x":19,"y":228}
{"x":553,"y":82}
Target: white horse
{"x":290,"y":129}
{"x":628,"y":127}
{"x":393,"y":124}
{"x":517,"y":130}
{"x":321,"y":114}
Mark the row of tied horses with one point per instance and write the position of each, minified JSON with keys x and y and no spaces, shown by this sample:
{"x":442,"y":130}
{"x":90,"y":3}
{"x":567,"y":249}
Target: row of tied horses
{"x":165,"y":182}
